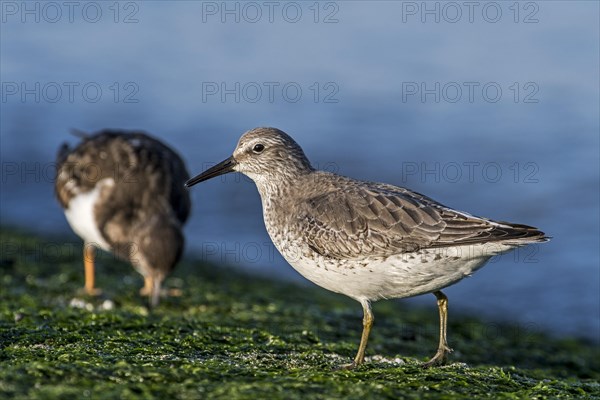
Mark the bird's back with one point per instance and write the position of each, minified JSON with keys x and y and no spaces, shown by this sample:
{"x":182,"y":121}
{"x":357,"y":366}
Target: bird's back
{"x":144,"y":170}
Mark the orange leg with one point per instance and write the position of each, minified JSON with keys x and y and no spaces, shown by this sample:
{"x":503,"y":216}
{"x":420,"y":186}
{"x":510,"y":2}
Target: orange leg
{"x":148,"y":284}
{"x":89,"y":253}
{"x":151,"y":289}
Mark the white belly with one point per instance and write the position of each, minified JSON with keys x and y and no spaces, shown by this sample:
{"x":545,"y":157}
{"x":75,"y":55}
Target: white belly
{"x":80,"y":215}
{"x":399,"y":276}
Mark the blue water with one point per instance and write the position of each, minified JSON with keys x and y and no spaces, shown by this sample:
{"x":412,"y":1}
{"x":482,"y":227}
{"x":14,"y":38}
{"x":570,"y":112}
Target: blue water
{"x":496,"y":118}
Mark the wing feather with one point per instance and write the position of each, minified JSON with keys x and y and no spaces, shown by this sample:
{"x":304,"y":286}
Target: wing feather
{"x":383,"y":220}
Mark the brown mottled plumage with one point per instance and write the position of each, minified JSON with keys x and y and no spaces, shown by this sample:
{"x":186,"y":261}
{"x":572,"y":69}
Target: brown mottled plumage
{"x":123,"y":192}
{"x":366,"y":240}
{"x":371,"y":219}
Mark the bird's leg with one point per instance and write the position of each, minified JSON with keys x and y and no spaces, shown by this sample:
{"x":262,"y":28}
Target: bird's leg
{"x":154,"y":295}
{"x":443,"y":348}
{"x":368,"y":319}
{"x":148,"y":284}
{"x":151,"y":289}
{"x":89,"y":252}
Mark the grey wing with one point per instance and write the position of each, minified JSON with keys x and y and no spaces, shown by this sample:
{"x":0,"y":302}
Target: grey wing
{"x":383,"y":220}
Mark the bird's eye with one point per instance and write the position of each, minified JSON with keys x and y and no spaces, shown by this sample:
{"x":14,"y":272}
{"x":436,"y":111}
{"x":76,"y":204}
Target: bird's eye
{"x":258,"y":148}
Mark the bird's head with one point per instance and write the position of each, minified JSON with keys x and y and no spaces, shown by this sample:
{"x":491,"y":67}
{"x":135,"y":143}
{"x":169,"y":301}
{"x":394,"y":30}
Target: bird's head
{"x":262,"y":154}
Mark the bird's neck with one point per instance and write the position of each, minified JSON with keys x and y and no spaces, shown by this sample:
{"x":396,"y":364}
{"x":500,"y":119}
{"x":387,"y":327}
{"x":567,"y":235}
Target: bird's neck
{"x":277,"y":187}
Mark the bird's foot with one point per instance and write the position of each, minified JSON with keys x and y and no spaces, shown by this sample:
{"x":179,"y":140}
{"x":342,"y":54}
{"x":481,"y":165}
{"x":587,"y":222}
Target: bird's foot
{"x":87,"y":291}
{"x":439,"y":358}
{"x":172,"y":292}
{"x":346,"y":367}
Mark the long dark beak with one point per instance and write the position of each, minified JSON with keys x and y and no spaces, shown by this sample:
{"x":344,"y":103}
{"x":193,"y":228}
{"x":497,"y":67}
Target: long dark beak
{"x":221,"y":168}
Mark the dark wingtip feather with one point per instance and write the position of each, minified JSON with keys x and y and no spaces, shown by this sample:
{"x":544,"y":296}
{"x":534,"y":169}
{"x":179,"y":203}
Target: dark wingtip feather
{"x":523,"y":232}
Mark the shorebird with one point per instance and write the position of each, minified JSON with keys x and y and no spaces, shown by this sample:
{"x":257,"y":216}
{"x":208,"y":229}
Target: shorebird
{"x":366,"y":240}
{"x":123,"y":192}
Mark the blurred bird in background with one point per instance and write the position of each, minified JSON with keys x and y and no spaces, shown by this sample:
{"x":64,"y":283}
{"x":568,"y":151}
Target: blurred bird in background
{"x":123,"y":192}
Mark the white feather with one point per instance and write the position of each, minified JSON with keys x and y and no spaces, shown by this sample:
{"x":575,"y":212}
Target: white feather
{"x":80,"y":215}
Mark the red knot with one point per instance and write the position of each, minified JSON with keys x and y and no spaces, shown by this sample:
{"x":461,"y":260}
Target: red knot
{"x":123,"y":192}
{"x":366,"y":240}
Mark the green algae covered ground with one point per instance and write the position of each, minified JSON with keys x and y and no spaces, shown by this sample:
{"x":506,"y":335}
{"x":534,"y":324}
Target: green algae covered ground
{"x":231,"y":335}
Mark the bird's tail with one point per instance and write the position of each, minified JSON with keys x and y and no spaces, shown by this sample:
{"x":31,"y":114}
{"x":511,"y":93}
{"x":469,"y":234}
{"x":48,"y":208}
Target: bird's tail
{"x":521,"y":235}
